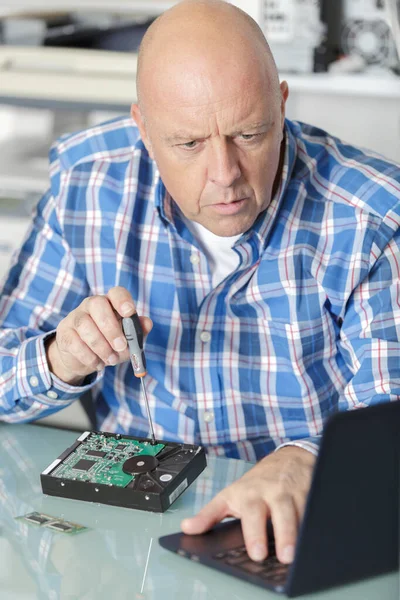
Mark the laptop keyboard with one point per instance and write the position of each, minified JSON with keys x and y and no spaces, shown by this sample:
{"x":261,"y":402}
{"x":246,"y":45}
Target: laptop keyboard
{"x":270,"y":569}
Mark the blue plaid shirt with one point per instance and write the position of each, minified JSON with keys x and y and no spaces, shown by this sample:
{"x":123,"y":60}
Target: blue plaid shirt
{"x":308,"y":324}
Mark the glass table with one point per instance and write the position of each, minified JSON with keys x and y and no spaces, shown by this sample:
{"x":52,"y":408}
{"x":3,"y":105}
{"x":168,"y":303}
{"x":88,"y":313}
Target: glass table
{"x":119,"y":557}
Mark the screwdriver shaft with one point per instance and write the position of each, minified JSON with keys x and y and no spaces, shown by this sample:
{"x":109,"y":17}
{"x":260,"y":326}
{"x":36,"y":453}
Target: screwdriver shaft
{"x":134,"y":336}
{"x":146,"y":401}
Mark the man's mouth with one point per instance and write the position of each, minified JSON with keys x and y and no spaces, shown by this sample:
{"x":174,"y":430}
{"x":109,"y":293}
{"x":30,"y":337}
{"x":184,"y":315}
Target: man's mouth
{"x":230,"y":208}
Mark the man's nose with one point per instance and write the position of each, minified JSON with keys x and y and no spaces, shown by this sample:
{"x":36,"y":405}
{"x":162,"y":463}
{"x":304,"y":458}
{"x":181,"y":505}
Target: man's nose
{"x":223,"y":166}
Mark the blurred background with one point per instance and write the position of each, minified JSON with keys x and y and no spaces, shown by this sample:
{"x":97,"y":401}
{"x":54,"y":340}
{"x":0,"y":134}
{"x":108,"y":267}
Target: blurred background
{"x":68,"y":65}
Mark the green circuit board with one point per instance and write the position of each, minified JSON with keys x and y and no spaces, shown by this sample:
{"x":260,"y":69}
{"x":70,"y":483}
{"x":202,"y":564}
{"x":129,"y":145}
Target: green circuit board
{"x":56,"y":524}
{"x":99,"y":459}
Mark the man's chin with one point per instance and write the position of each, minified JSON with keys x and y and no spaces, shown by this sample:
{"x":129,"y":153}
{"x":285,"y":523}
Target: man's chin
{"x":226,"y":227}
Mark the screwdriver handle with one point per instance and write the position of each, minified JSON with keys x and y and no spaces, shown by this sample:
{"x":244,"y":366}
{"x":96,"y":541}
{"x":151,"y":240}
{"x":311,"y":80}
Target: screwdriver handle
{"x":134,"y":335}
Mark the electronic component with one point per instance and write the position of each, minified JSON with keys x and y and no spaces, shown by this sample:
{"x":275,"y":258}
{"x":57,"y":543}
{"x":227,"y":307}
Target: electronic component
{"x":42,"y":520}
{"x":124,"y":471}
{"x":96,"y":453}
{"x":294,"y":30}
{"x":84,"y":465}
{"x":367,"y":33}
{"x":37,"y":518}
{"x":60,"y":527}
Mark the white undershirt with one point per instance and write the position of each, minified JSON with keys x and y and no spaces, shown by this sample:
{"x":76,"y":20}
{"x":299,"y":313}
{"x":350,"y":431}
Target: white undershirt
{"x":222,"y":260}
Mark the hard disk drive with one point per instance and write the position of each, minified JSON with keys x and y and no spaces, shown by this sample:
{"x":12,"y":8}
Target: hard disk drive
{"x":124,"y":471}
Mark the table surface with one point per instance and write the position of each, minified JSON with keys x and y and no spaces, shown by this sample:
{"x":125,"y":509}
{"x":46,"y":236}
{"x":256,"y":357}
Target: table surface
{"x":119,"y":557}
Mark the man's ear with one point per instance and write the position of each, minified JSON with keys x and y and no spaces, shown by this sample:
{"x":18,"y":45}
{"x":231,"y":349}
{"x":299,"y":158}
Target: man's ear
{"x":284,"y":96}
{"x":139,"y":120}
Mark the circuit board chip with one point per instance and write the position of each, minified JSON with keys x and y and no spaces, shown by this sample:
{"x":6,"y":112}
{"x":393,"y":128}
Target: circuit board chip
{"x":84,"y":464}
{"x":60,"y":527}
{"x":37,"y":519}
{"x":97,"y":453}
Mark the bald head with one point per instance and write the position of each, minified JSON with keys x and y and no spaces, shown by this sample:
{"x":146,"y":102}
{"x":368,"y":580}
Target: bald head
{"x":201,"y":38}
{"x":211,"y":113}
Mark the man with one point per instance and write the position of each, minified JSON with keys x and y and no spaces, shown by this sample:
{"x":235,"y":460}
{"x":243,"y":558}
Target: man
{"x":264,"y":251}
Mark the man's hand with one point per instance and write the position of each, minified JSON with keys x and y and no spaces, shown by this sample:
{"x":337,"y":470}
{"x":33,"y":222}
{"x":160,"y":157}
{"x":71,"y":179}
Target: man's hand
{"x":91,"y":336}
{"x":275,"y":488}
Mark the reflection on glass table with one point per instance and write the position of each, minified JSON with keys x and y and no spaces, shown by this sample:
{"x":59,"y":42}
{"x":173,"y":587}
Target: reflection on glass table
{"x":112,"y":556}
{"x":120,"y":556}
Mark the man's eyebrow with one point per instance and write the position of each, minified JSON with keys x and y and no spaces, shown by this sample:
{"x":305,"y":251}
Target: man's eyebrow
{"x":253,"y":126}
{"x":181,"y":136}
{"x":184,"y":136}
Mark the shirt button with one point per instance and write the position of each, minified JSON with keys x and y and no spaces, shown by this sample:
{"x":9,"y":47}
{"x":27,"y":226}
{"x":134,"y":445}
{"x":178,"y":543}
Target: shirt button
{"x":208,"y":416}
{"x":52,"y":395}
{"x":194,"y":259}
{"x":205,"y":336}
{"x":34,"y":381}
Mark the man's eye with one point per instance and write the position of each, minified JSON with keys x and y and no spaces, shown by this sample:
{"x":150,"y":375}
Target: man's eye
{"x":249,"y":136}
{"x":189,"y":145}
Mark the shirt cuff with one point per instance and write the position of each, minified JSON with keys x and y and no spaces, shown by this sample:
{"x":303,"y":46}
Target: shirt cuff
{"x":310,"y":444}
{"x":34,"y":378}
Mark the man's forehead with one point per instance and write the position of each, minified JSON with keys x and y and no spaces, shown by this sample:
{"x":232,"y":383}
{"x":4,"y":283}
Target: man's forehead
{"x":211,"y":89}
{"x":252,"y":108}
{"x":208,"y":81}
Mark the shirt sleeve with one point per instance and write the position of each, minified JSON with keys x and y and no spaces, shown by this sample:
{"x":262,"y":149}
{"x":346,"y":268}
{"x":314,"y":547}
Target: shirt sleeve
{"x":370,"y":330}
{"x":43,"y":285}
{"x":369,"y":337}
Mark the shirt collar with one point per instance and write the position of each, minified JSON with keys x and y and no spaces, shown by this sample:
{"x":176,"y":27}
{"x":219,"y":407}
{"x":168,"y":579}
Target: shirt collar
{"x":163,"y":201}
{"x":264,"y":221}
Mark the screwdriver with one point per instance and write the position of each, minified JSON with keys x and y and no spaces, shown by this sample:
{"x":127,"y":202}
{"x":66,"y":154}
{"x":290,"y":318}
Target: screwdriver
{"x":134,"y":336}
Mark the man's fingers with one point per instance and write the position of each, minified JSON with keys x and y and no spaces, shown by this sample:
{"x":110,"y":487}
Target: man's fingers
{"x":254,"y":528}
{"x":300,"y":506}
{"x":212,"y":513}
{"x":276,"y":487}
{"x":121,"y":301}
{"x":69,"y":343}
{"x":108,"y":322}
{"x":90,"y":333}
{"x":91,"y":336}
{"x":147,"y":325}
{"x":284,"y":521}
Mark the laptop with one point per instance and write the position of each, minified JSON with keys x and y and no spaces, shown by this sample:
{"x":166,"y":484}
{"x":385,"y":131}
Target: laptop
{"x":350,"y":528}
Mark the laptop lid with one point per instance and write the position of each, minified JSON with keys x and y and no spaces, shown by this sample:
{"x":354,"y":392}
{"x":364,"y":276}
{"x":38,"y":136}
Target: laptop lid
{"x":350,"y":529}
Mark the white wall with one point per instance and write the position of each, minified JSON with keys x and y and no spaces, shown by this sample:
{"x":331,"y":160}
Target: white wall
{"x":362,"y":110}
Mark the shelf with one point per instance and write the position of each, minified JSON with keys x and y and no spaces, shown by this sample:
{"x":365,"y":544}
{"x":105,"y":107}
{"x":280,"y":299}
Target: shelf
{"x":386,"y":85}
{"x":147,"y":7}
{"x":67,"y":77}
{"x":101,"y":80}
